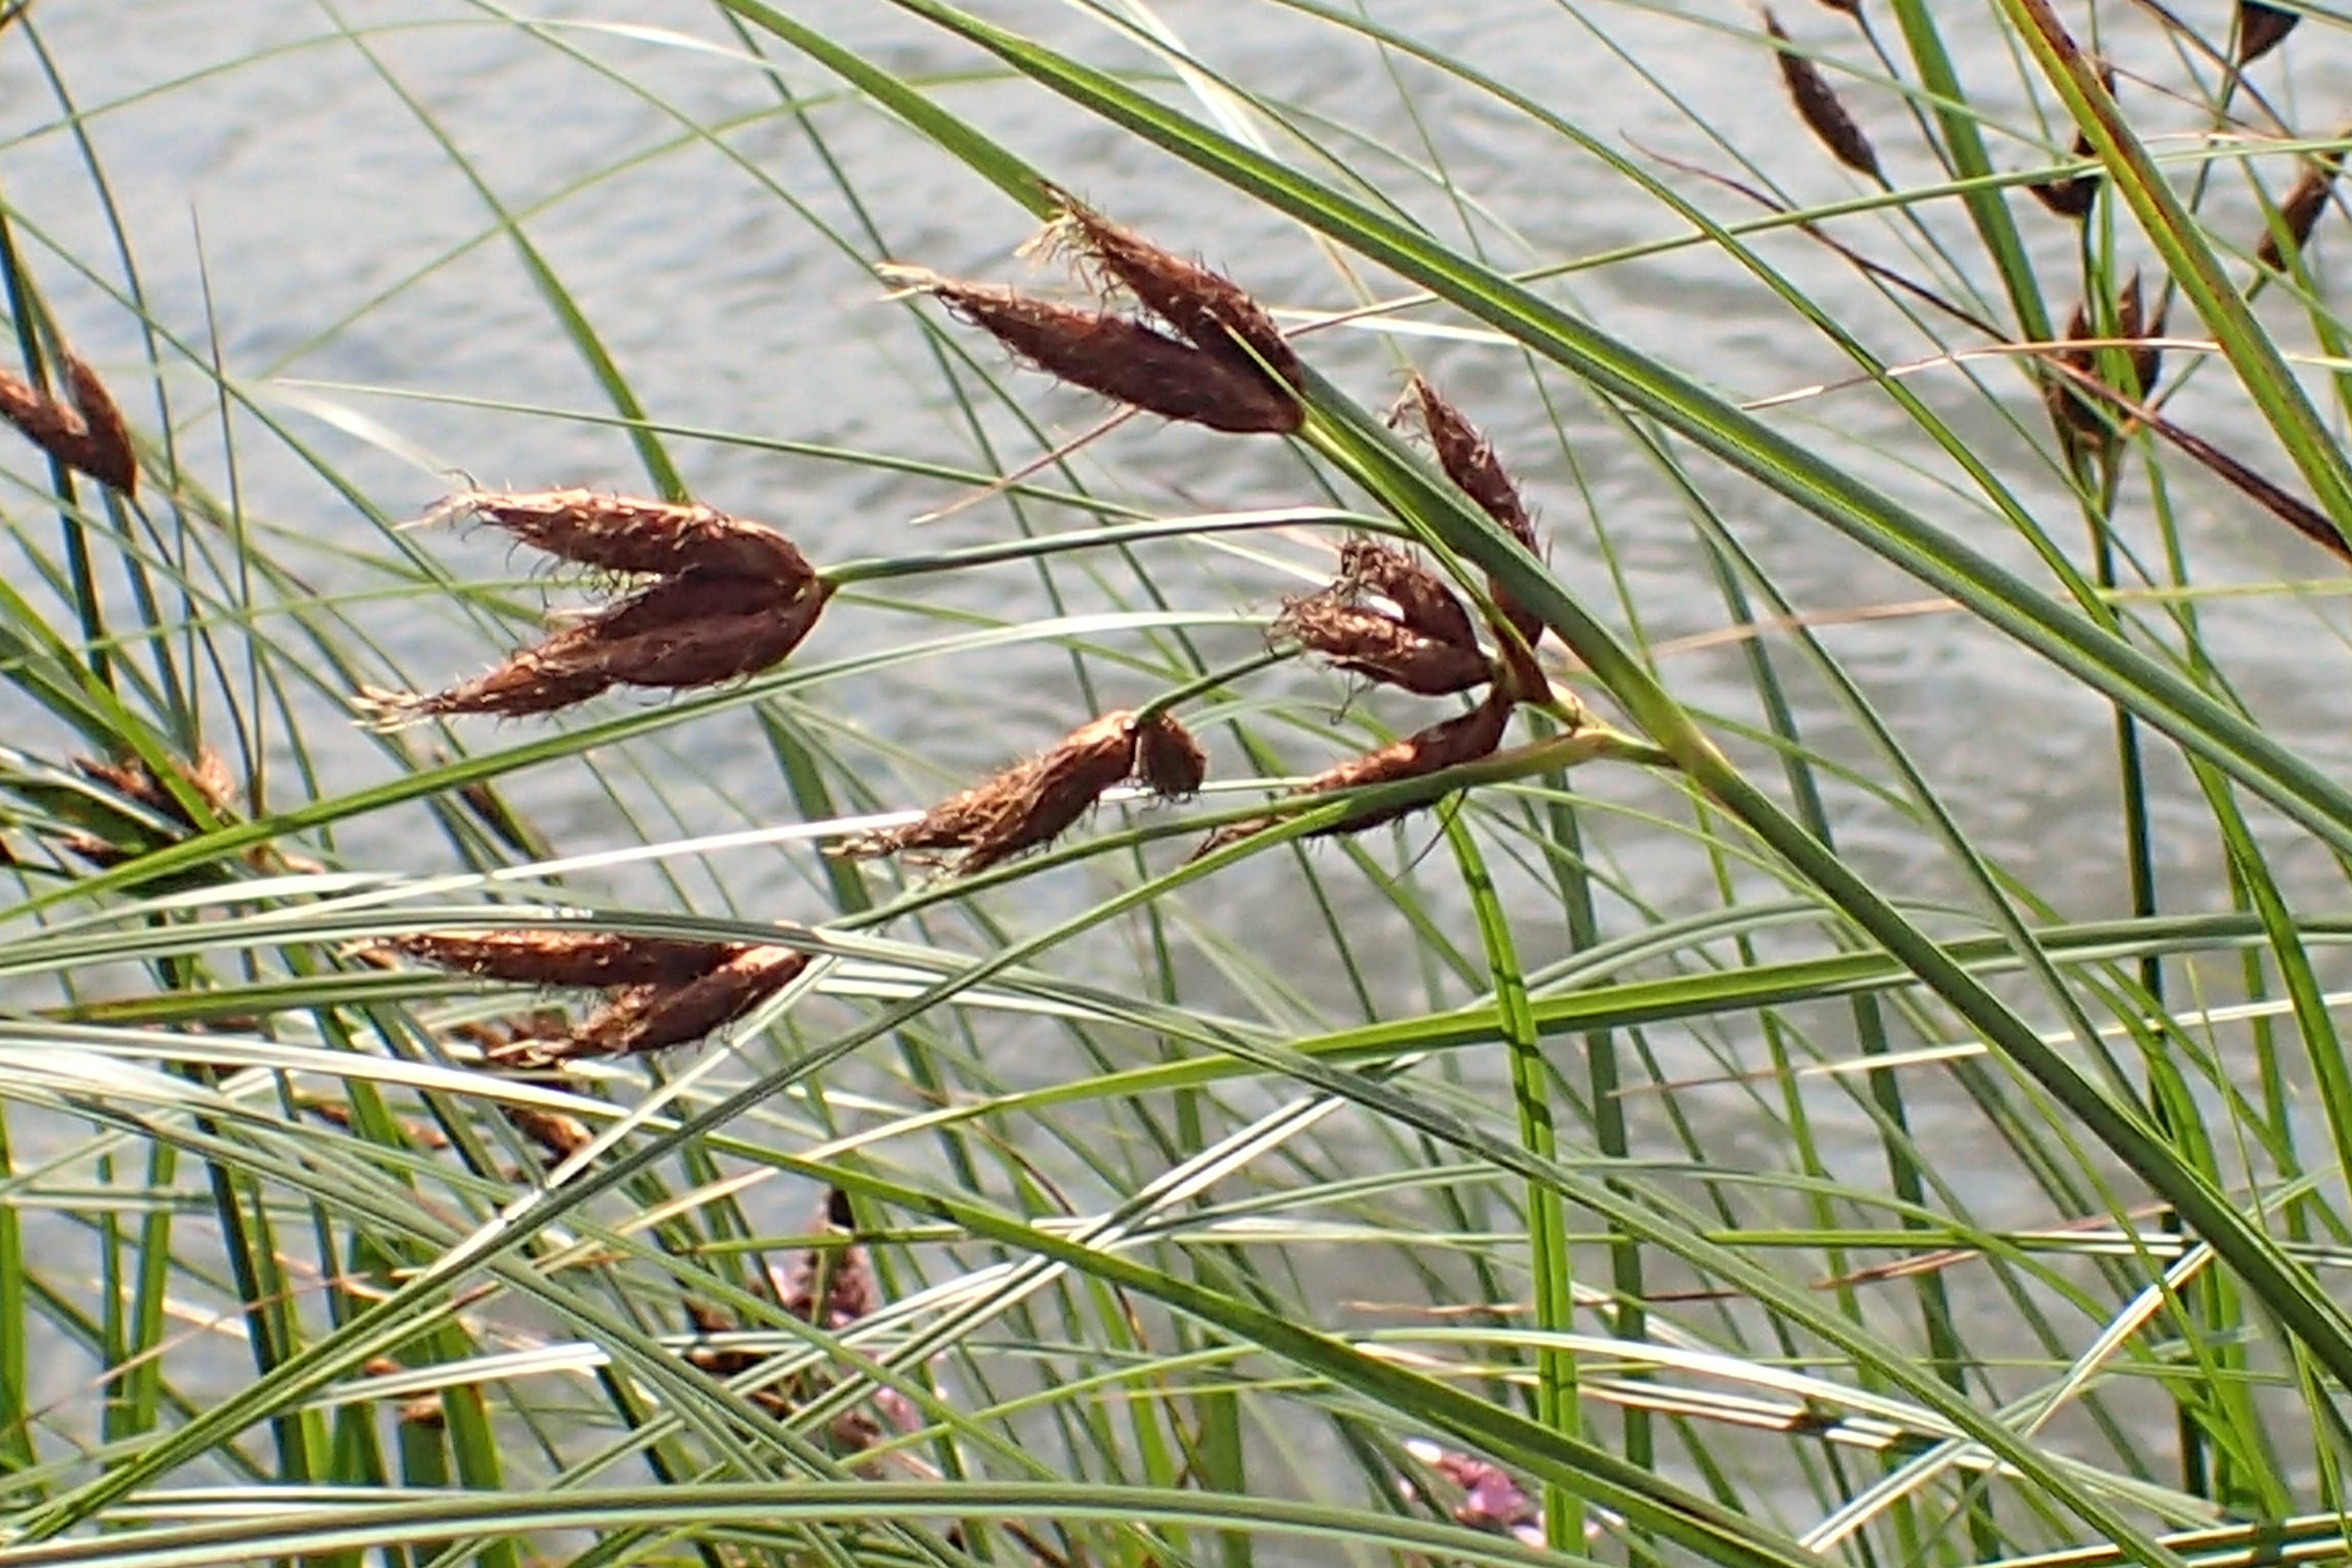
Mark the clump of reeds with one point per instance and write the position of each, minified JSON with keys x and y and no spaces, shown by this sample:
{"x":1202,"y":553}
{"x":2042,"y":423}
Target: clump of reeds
{"x":1204,"y":351}
{"x":1818,"y":106}
{"x":727,"y":598}
{"x":2298,"y":216}
{"x":1036,"y":801}
{"x":85,"y":432}
{"x":2082,"y":413}
{"x":2262,"y":28}
{"x":661,"y":990}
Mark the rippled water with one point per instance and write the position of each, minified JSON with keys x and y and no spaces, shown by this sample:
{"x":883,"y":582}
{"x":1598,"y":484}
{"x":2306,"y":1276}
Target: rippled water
{"x":290,"y":204}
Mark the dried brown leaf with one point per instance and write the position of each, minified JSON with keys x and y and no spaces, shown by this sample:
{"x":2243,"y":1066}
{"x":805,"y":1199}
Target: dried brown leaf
{"x":614,"y":534}
{"x":1121,"y":358}
{"x":1818,"y":107}
{"x":1028,"y":805}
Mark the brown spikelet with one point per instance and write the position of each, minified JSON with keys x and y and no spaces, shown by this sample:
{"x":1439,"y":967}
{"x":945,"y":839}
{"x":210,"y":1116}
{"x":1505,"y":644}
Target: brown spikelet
{"x":656,"y":1017}
{"x":88,"y":434}
{"x":2081,"y":408}
{"x":2262,"y":28}
{"x":1469,"y":460}
{"x":1121,"y":358}
{"x":1843,"y":7}
{"x":2299,"y":214}
{"x":1365,"y":642}
{"x":578,"y":958}
{"x":1424,"y":601}
{"x":1168,"y":759}
{"x":614,"y":534}
{"x":680,"y":633}
{"x":848,"y":1291}
{"x":1818,"y":107}
{"x":557,"y":1136}
{"x":1206,"y":309}
{"x":132,"y":778}
{"x":1030,"y":803}
{"x":2073,"y":195}
{"x":1460,"y":740}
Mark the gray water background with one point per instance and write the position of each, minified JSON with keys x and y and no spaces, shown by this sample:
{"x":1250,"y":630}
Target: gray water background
{"x":341,"y":245}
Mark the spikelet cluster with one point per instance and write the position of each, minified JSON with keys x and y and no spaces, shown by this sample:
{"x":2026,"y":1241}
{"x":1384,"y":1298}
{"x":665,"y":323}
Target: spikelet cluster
{"x":720,"y":598}
{"x":1036,"y":801}
{"x":660,"y":992}
{"x":2087,"y":418}
{"x":85,"y":432}
{"x":1202,"y":351}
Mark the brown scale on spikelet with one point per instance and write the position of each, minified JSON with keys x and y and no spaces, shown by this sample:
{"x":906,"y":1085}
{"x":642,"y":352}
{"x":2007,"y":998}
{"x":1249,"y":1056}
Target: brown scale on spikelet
{"x":87,"y":434}
{"x":2071,"y":195}
{"x":2083,"y":412}
{"x":1118,"y":357}
{"x":573,"y":958}
{"x":1463,"y":739}
{"x":656,"y":1017}
{"x":681,"y":633}
{"x":1378,"y":646}
{"x":2262,"y":28}
{"x":1029,"y":804}
{"x":614,"y":534}
{"x":1206,"y":309}
{"x":1818,"y":107}
{"x":1169,"y":760}
{"x":2299,"y":214}
{"x":1468,"y":459}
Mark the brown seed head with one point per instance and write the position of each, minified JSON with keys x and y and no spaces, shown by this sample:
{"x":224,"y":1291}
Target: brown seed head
{"x":2262,"y":28}
{"x":850,"y":1291}
{"x":1424,"y":601}
{"x":614,"y":534}
{"x":1818,"y":107}
{"x":88,"y":435}
{"x":1121,"y":358}
{"x":2299,"y":214}
{"x":1460,"y":740}
{"x":1468,"y":459}
{"x":1367,"y":643}
{"x":2087,"y":415}
{"x":1206,"y":309}
{"x":1028,"y":805}
{"x":559,"y":1135}
{"x":656,"y":1017}
{"x":134,"y":780}
{"x":678,"y":633}
{"x":576,"y":958}
{"x":1168,"y":759}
